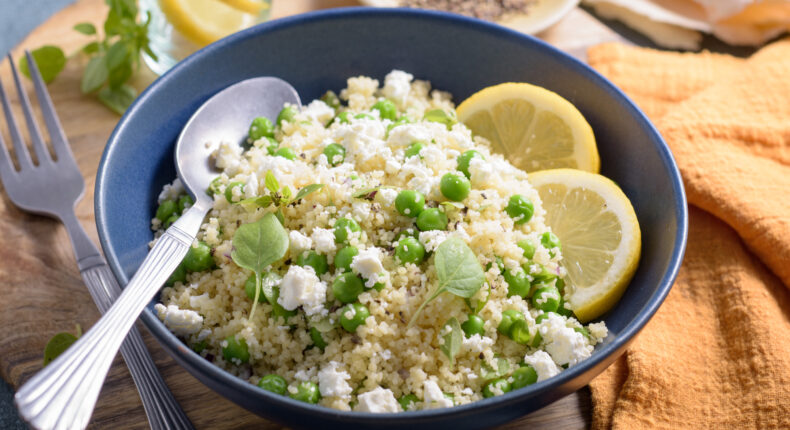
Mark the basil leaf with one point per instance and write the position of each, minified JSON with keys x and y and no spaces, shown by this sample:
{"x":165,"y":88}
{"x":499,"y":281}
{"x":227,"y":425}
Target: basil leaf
{"x":457,"y":268}
{"x":85,"y":28}
{"x":305,"y":191}
{"x":366,"y":193}
{"x":271,"y":182}
{"x":95,"y":74}
{"x":287,"y":193}
{"x":118,"y":99}
{"x":255,"y":202}
{"x":487,"y":373}
{"x":116,"y":54}
{"x":480,"y":303}
{"x":442,"y":117}
{"x":49,"y":59}
{"x":257,"y":245}
{"x":90,"y":48}
{"x":268,"y":282}
{"x":59,"y":343}
{"x":452,"y":339}
{"x":119,"y":75}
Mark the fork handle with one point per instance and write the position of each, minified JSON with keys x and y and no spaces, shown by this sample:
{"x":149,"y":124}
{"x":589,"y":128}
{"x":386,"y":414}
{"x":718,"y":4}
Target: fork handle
{"x":161,"y":408}
{"x":63,"y":394}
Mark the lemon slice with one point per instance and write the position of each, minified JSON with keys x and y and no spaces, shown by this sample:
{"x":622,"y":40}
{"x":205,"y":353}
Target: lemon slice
{"x":599,"y":233}
{"x":253,"y":7}
{"x":534,"y":128}
{"x":205,"y":21}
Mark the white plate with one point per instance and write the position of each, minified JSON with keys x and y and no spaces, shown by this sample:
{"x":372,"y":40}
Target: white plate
{"x":541,"y":15}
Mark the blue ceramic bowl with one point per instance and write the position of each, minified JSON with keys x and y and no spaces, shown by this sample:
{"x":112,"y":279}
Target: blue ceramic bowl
{"x":318,"y":51}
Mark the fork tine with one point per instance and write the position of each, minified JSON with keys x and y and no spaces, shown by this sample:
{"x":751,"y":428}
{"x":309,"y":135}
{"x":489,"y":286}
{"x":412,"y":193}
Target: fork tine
{"x":22,"y":156}
{"x":35,"y":134}
{"x":7,"y":170}
{"x":56,"y":135}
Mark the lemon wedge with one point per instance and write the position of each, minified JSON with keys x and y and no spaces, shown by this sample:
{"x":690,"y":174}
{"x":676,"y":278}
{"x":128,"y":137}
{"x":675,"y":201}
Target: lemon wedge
{"x":253,"y":7}
{"x":599,"y":233}
{"x":205,"y":21}
{"x":534,"y":128}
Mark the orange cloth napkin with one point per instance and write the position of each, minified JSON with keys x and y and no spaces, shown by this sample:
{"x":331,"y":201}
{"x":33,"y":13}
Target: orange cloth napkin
{"x":717,"y":352}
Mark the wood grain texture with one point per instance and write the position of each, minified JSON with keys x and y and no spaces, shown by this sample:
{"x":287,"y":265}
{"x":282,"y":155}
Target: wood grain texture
{"x":43,"y":293}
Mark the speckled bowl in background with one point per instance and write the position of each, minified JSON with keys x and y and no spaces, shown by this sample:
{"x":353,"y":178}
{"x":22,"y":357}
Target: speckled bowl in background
{"x":318,"y":51}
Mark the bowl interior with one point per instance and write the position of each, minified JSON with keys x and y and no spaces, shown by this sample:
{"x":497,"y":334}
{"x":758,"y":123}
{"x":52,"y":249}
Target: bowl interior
{"x":318,"y":51}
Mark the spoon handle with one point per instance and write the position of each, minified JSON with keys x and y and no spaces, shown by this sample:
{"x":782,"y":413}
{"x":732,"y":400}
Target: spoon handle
{"x":63,"y":394}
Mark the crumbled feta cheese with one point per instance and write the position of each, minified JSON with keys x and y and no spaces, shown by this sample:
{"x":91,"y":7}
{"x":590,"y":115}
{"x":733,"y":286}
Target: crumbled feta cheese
{"x":333,"y":383}
{"x":566,"y":345}
{"x":360,"y":210}
{"x":433,"y":396}
{"x":404,"y":135}
{"x":379,"y":400}
{"x":481,"y":172}
{"x":181,"y":322}
{"x":598,"y":330}
{"x":228,"y":158}
{"x":476,"y":343}
{"x":386,"y":196}
{"x":302,"y":375}
{"x":299,"y":242}
{"x":397,"y":85}
{"x":251,"y":187}
{"x":197,"y":302}
{"x":319,"y":111}
{"x":301,"y":287}
{"x":543,"y":365}
{"x":324,"y":239}
{"x":432,"y":239}
{"x":368,"y":265}
{"x":171,"y":191}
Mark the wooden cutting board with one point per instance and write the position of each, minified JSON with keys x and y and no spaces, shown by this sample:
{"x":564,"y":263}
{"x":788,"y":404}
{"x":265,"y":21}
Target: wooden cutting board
{"x":42,"y":292}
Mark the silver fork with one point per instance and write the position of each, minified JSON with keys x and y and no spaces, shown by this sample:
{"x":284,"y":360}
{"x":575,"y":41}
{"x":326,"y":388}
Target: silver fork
{"x":52,"y":188}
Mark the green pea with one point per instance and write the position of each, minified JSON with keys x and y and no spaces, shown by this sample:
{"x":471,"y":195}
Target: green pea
{"x":213,"y":187}
{"x":317,"y":338}
{"x":342,"y":117}
{"x":344,"y":226}
{"x":173,"y":218}
{"x":378,"y":286}
{"x":199,"y":347}
{"x":509,"y":317}
{"x":307,"y":392}
{"x":407,"y":401}
{"x":542,"y":317}
{"x":286,"y":114}
{"x":344,"y":257}
{"x":335,"y":153}
{"x":179,"y":275}
{"x":363,"y":116}
{"x":549,"y":240}
{"x":583,"y":331}
{"x":537,"y":339}
{"x":347,"y":287}
{"x":260,"y":127}
{"x":387,"y":109}
{"x":166,"y":209}
{"x":431,"y":219}
{"x":229,"y":191}
{"x":544,"y":276}
{"x":249,"y":289}
{"x":236,"y":350}
{"x":410,"y":203}
{"x":523,"y":376}
{"x":450,"y":397}
{"x":454,"y":186}
{"x":274,"y":383}
{"x":277,"y":309}
{"x":286,"y":153}
{"x":517,"y":283}
{"x":353,"y":315}
{"x":520,"y":209}
{"x":546,"y":299}
{"x":400,"y":121}
{"x":198,"y":258}
{"x":465,"y":159}
{"x":331,"y":99}
{"x":496,"y":387}
{"x":528,"y":247}
{"x":184,"y":203}
{"x":410,"y":250}
{"x":520,"y":333}
{"x":271,"y":145}
{"x":413,"y":149}
{"x":315,"y":260}
{"x":409,"y":232}
{"x":562,"y":310}
{"x":473,"y":325}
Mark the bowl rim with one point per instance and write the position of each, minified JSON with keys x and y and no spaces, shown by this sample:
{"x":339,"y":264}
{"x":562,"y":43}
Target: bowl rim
{"x":605,"y":353}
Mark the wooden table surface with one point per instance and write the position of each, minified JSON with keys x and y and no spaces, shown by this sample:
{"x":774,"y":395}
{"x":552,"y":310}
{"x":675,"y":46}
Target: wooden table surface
{"x":43,"y":293}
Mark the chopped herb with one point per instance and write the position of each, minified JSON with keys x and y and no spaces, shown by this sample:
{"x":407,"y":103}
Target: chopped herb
{"x":452,"y":339}
{"x":59,"y":343}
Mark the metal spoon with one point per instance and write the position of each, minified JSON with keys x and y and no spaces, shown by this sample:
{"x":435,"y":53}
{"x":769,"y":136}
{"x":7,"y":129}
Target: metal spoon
{"x":63,"y":394}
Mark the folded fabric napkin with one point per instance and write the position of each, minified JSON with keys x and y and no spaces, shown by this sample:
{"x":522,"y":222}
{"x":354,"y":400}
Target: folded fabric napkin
{"x":717,"y":352}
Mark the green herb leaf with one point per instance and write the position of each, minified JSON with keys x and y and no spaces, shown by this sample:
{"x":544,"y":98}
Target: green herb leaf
{"x":59,"y":343}
{"x":442,"y":117}
{"x":307,"y":190}
{"x":458,"y":271}
{"x":287,"y":193}
{"x":49,"y":59}
{"x":366,"y":193}
{"x":95,"y":74}
{"x":488,"y":373}
{"x":257,"y":245}
{"x":116,"y":54}
{"x":119,"y":75}
{"x":280,"y":216}
{"x":255,"y":202}
{"x":90,"y":48}
{"x":480,"y":303}
{"x":118,"y":99}
{"x":452,"y":339}
{"x":86,"y":28}
{"x":271,"y":182}
{"x":268,"y":282}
